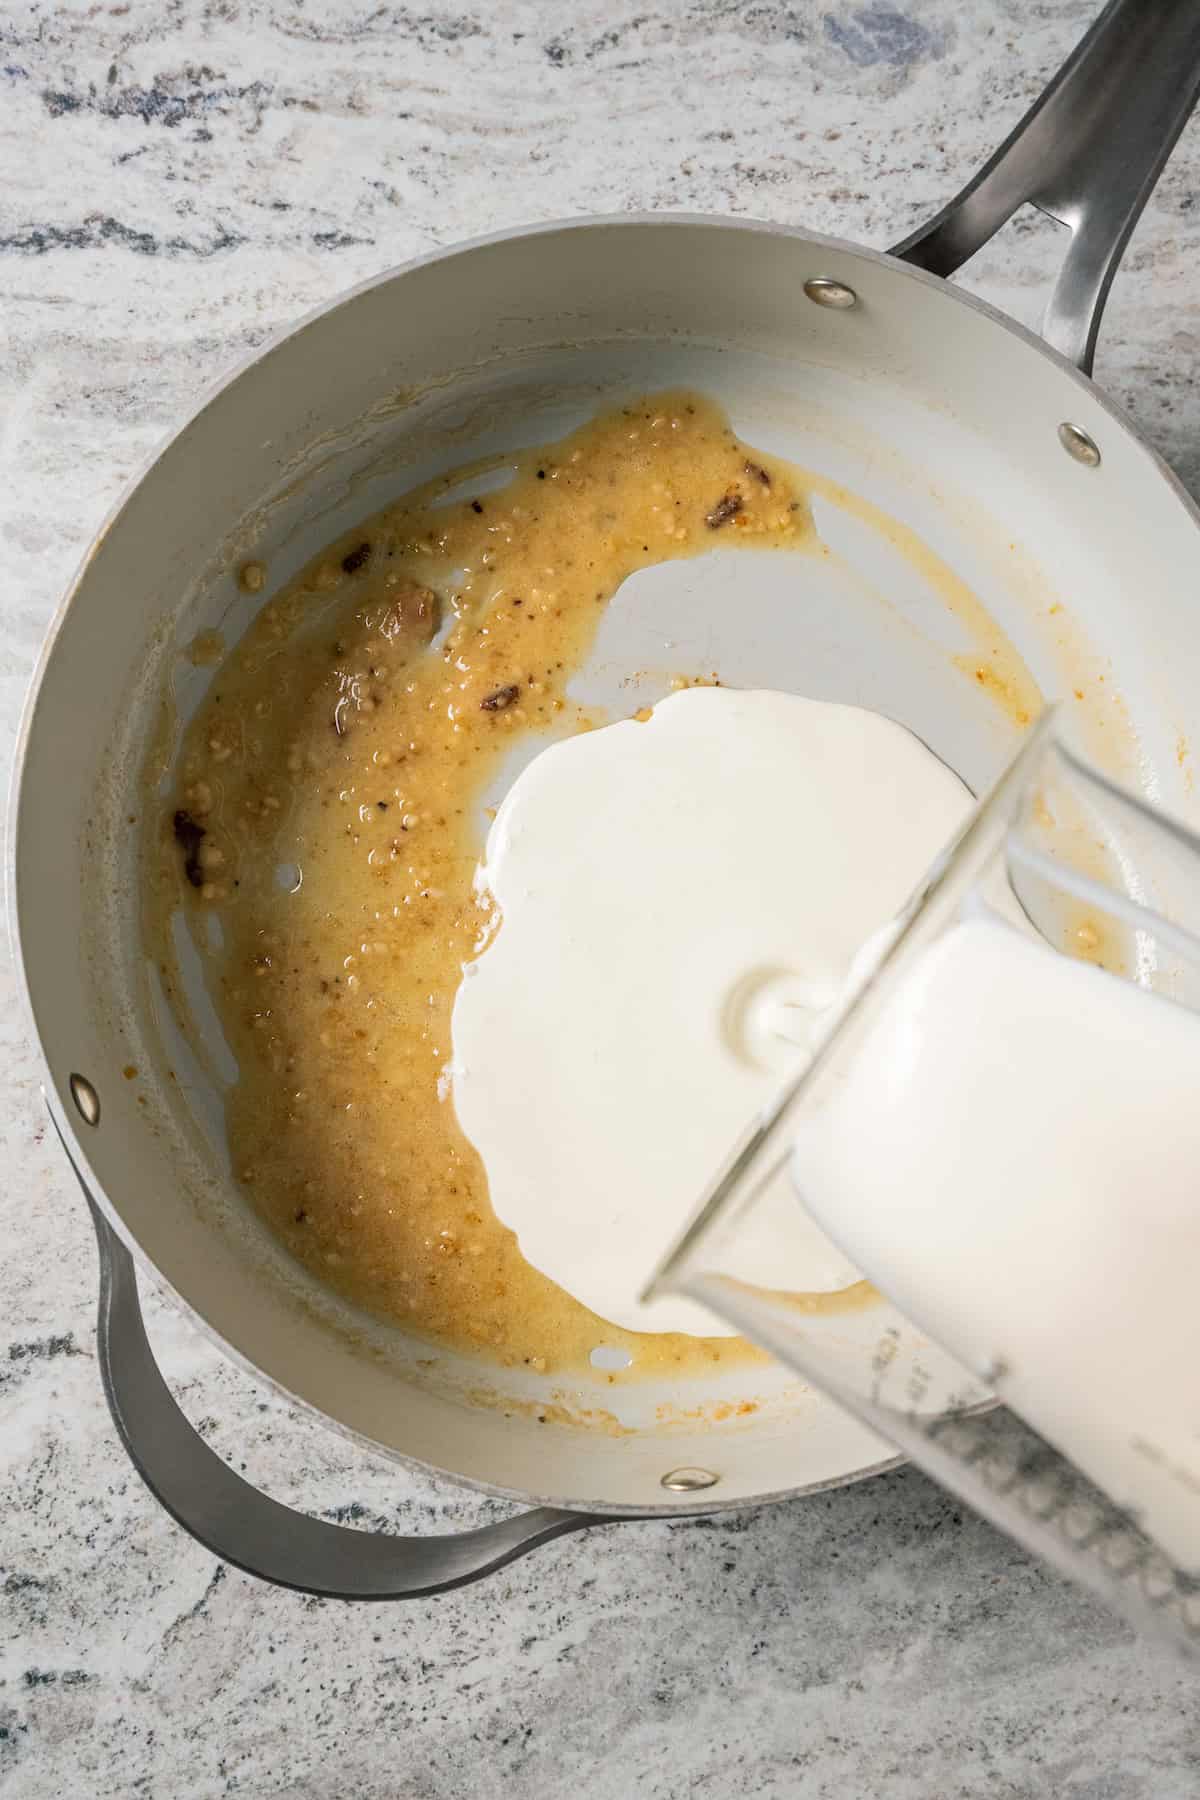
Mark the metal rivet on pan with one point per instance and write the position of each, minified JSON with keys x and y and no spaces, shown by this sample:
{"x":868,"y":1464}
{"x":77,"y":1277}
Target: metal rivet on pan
{"x":830,"y":293}
{"x":689,"y":1481}
{"x":1078,"y":444}
{"x":86,"y":1099}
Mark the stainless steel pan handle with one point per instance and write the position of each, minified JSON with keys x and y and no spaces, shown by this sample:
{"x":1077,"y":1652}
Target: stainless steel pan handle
{"x":247,"y":1528}
{"x":1088,"y":153}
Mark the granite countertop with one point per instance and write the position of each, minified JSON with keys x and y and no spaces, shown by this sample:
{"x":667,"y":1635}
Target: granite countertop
{"x":179,"y":181}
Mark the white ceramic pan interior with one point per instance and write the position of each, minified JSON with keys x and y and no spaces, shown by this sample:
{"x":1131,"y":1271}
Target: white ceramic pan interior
{"x":925,"y":403}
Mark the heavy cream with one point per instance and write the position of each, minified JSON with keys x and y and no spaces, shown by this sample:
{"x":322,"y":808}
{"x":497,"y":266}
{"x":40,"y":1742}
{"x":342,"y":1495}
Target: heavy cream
{"x":1013,"y":1156}
{"x":1011,"y":1153}
{"x":680,"y":902}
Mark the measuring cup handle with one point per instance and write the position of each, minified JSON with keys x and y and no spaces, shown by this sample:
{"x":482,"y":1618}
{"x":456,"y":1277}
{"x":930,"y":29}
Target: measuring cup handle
{"x":1088,"y":153}
{"x":247,"y":1528}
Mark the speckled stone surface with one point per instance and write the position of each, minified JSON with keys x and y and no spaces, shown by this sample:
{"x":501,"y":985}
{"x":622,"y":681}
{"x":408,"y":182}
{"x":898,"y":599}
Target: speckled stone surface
{"x":179,"y":180}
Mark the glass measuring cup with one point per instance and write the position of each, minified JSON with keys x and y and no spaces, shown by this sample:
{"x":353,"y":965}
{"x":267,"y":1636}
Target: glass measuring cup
{"x":1057,"y":859}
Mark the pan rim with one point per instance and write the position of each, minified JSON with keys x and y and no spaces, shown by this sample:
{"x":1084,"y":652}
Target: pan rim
{"x":635,"y":221}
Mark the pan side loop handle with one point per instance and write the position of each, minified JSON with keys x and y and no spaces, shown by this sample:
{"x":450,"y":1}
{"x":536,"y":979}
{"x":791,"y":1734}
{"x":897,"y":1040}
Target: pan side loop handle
{"x":247,"y":1528}
{"x":1088,"y":153}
